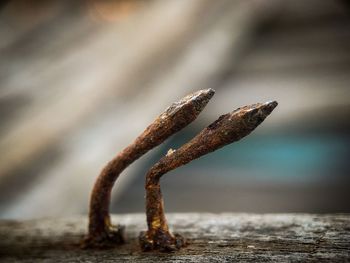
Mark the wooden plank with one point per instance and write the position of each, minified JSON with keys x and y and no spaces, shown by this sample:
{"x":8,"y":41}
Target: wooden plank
{"x":212,"y":237}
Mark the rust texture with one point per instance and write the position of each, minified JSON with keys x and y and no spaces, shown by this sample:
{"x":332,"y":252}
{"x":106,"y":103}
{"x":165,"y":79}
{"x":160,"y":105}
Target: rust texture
{"x":101,"y":232}
{"x":228,"y":128}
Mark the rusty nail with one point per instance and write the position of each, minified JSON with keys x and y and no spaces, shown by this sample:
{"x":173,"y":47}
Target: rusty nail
{"x":227,"y":129}
{"x":101,"y":233}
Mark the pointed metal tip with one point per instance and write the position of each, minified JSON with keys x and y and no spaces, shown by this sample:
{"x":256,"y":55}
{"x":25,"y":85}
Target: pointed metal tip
{"x":269,"y":106}
{"x":202,"y":96}
{"x":210,"y":92}
{"x":203,"y":93}
{"x":272,"y":104}
{"x":254,"y":114}
{"x":197,"y":100}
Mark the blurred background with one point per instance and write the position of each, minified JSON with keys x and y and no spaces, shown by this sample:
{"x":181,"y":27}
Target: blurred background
{"x":79,"y":80}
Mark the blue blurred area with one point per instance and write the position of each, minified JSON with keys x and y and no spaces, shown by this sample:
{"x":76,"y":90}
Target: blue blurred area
{"x":277,"y":157}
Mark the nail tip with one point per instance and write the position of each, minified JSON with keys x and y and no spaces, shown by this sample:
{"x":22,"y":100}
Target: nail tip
{"x":208,"y":92}
{"x":273,"y":103}
{"x":270,"y":105}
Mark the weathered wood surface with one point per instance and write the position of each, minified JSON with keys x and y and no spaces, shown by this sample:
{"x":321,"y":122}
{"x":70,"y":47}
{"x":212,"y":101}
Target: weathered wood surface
{"x":212,"y":238}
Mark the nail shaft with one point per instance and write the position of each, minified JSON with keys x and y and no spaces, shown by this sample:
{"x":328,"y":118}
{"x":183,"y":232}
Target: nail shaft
{"x":227,"y":129}
{"x":173,"y":119}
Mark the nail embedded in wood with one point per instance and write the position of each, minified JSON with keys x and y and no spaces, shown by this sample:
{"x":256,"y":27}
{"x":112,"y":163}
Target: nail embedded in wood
{"x":228,"y":128}
{"x":101,"y":232}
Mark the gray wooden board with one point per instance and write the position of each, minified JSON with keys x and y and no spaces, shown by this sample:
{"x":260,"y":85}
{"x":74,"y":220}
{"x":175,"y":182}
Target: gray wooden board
{"x":212,"y":238}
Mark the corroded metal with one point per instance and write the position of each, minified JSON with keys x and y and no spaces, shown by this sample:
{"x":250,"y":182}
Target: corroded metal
{"x":101,"y":232}
{"x":228,"y":128}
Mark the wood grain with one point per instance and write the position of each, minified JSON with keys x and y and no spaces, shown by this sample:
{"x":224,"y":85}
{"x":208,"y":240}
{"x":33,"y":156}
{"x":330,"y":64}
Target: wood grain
{"x":212,"y":238}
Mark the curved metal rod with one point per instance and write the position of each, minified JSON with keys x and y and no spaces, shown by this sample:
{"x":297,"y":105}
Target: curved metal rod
{"x":177,"y":116}
{"x":228,"y":128}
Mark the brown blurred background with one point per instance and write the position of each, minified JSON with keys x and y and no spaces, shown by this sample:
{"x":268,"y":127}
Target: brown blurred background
{"x":79,"y":80}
